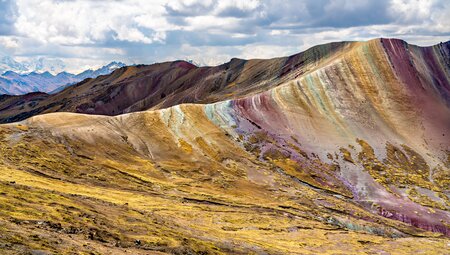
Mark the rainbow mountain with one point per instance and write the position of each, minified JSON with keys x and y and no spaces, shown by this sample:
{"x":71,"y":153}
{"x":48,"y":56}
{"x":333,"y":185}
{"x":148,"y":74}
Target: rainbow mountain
{"x":341,"y":149}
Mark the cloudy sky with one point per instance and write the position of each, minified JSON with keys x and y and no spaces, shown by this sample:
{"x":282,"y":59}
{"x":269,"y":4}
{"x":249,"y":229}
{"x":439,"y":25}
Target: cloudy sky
{"x":90,"y":33}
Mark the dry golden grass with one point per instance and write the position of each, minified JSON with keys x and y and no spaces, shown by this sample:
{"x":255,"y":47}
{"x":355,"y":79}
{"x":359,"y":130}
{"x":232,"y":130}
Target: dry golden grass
{"x":66,"y":195}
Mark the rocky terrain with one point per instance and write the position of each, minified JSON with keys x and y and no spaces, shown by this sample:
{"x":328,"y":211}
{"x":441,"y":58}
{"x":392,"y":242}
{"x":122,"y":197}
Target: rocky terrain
{"x":341,"y":149}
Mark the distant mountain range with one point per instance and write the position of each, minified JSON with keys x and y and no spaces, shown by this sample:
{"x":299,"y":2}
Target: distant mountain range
{"x":39,"y":65}
{"x":14,"y":82}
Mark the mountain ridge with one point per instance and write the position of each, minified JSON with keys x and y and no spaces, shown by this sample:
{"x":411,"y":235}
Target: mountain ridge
{"x":179,"y":76}
{"x":153,"y":91}
{"x":41,"y":64}
{"x":16,"y":83}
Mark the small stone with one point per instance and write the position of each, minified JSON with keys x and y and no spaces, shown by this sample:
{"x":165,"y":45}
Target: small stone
{"x":39,"y":252}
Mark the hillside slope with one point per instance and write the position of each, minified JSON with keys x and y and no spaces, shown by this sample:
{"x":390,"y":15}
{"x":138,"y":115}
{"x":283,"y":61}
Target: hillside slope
{"x":162,"y":85}
{"x":157,"y":86}
{"x":351,"y":157}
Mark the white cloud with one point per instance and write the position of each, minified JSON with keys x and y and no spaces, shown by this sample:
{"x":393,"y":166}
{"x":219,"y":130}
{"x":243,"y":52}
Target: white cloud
{"x":206,"y":22}
{"x":9,"y":42}
{"x":92,"y":32}
{"x":87,"y":22}
{"x":243,"y":5}
{"x":267,"y":51}
{"x":203,"y":55}
{"x":411,"y":10}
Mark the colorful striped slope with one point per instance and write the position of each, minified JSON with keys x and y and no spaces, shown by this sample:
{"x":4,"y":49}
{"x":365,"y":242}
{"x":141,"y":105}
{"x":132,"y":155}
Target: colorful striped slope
{"x":348,"y":154}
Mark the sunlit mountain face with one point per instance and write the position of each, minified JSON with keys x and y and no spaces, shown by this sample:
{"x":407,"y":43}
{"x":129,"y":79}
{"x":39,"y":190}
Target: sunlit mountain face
{"x":249,"y":127}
